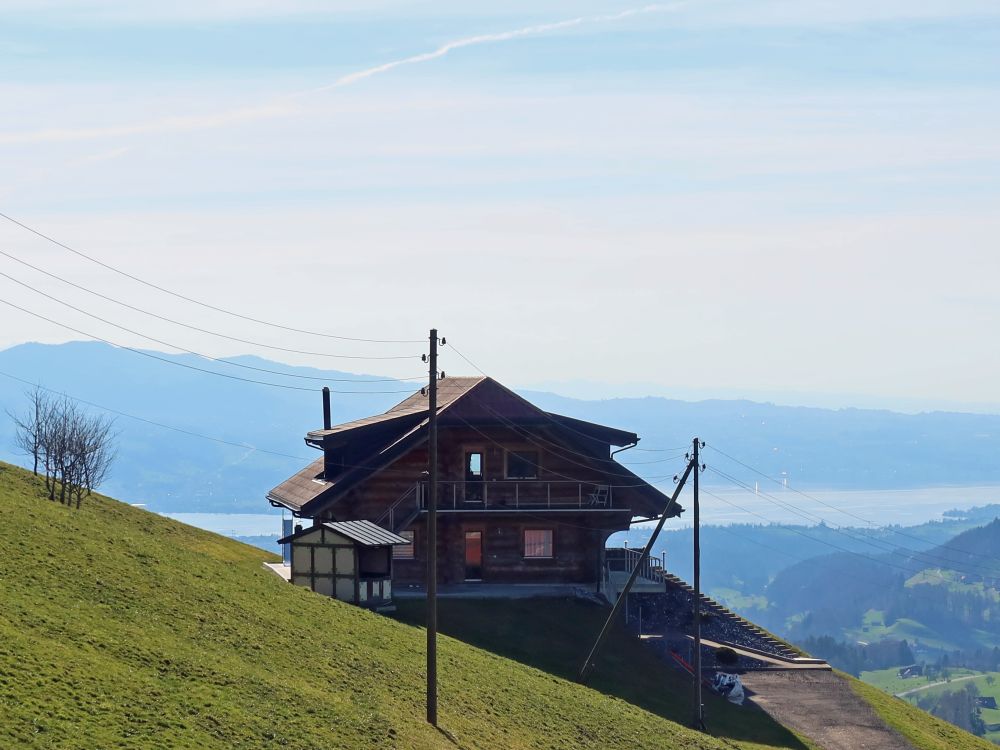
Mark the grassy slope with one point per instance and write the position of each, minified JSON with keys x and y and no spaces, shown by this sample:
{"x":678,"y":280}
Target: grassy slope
{"x":555,"y":635}
{"x":122,"y":629}
{"x":920,"y":728}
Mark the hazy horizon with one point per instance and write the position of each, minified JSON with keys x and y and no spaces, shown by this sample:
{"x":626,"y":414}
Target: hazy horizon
{"x":784,"y":199}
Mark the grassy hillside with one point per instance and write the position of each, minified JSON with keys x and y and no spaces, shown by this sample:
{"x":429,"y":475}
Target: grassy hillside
{"x":920,"y":728}
{"x":123,"y":629}
{"x":555,"y":636}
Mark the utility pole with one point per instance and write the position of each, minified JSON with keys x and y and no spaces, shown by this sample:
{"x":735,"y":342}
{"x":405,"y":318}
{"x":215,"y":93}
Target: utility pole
{"x":588,"y":665}
{"x":432,"y":534}
{"x":699,"y":708}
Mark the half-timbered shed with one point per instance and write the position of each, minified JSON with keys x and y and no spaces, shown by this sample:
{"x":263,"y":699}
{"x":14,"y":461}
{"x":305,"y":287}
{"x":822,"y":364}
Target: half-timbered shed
{"x":525,"y":496}
{"x":348,"y":560}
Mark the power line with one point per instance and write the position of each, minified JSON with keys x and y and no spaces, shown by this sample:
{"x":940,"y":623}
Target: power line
{"x":152,"y":422}
{"x":657,"y":461}
{"x":192,"y":300}
{"x":186,"y":325}
{"x":191,"y":433}
{"x":644,"y":483}
{"x":560,"y":425}
{"x":845,"y":512}
{"x":191,"y":351}
{"x":819,"y":541}
{"x":181,"y":364}
{"x":874,"y":543}
{"x":547,"y":415}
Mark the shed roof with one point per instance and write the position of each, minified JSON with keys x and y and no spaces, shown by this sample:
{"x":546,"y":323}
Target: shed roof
{"x":365,"y":533}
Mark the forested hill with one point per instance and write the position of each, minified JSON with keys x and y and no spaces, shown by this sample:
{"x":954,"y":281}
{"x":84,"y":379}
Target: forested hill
{"x":976,"y":551}
{"x":946,"y":598}
{"x":175,"y":471}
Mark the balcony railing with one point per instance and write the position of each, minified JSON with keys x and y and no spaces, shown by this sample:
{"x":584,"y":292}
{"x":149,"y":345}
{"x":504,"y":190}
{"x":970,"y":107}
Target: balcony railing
{"x":510,"y":494}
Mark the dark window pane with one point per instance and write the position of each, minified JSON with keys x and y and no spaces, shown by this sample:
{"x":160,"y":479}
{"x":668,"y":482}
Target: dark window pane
{"x":522,"y":464}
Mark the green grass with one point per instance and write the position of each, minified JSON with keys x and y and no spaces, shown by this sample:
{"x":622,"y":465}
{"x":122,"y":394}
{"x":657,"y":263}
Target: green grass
{"x":924,"y":731}
{"x":123,"y":629}
{"x":888,"y":680}
{"x":555,"y":635}
{"x":737,"y":600}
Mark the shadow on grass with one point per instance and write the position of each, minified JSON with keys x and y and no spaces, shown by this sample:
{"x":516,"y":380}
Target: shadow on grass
{"x":554,"y":635}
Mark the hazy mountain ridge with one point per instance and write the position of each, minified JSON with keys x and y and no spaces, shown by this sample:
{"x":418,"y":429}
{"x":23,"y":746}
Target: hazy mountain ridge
{"x":171,"y":471}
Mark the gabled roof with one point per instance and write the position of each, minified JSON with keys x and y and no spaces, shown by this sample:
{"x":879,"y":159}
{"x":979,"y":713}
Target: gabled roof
{"x":407,"y":411}
{"x":463,"y":400}
{"x":365,"y":533}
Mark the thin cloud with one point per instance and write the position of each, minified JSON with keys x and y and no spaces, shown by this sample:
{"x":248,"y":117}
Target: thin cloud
{"x":503,"y":36}
{"x":285,"y":105}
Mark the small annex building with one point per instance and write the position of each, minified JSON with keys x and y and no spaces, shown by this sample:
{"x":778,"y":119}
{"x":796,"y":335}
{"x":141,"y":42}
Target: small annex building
{"x":347,"y":560}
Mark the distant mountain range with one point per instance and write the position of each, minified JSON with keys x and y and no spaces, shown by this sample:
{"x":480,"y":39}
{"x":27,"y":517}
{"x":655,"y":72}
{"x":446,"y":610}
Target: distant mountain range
{"x":173,"y":471}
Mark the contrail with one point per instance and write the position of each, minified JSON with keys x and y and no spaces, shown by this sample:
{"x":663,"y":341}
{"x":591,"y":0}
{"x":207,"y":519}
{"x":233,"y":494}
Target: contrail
{"x":279,"y":106}
{"x":503,"y":36}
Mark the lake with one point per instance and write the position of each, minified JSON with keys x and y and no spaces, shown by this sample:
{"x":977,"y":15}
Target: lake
{"x":881,"y":507}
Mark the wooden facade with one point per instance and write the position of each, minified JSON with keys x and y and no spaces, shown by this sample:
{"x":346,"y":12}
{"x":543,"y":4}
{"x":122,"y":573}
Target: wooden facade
{"x":524,"y":496}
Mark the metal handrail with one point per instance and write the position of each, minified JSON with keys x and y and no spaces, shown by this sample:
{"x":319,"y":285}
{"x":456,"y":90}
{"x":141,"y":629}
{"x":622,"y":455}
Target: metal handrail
{"x":512,"y":494}
{"x":391,"y":512}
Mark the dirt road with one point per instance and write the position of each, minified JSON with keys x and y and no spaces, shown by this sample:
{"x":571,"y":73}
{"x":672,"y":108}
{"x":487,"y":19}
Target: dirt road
{"x":822,"y":706}
{"x":935,"y":684}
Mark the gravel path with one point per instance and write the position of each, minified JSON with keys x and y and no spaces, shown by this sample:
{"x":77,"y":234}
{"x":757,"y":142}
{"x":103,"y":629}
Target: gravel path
{"x":822,"y":707}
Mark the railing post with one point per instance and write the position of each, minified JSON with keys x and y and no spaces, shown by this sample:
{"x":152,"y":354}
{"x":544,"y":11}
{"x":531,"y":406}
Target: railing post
{"x":517,"y":494}
{"x":579,"y":491}
{"x":454,"y":495}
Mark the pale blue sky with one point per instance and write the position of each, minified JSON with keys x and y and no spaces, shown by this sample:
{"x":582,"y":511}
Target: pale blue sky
{"x":735,"y":197}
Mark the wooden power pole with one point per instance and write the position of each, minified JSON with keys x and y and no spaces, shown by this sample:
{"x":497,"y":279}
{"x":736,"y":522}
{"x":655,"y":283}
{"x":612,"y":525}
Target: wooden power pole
{"x":588,"y":665}
{"x":699,"y":707}
{"x":432,"y":534}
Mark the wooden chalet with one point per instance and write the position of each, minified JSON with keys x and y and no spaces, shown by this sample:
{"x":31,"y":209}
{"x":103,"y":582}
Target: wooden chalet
{"x":525,"y":496}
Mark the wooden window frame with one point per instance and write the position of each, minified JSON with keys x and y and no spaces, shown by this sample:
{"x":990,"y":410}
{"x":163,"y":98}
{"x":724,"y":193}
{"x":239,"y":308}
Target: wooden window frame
{"x":524,"y":544}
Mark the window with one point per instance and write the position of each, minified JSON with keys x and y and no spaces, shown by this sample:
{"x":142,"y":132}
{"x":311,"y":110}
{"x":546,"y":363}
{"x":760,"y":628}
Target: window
{"x":538,"y":542}
{"x":522,"y":464}
{"x":404,"y":551}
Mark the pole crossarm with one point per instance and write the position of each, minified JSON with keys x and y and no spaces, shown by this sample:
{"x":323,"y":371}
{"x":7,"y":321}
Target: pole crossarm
{"x":588,"y":665}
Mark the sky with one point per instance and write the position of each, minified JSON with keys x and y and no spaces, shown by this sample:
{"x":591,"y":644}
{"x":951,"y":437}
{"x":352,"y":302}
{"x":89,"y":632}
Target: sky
{"x":694,"y":198}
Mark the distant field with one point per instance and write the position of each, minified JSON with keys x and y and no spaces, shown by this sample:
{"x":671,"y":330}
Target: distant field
{"x":887,"y":680}
{"x":873,"y":628}
{"x":738,"y":601}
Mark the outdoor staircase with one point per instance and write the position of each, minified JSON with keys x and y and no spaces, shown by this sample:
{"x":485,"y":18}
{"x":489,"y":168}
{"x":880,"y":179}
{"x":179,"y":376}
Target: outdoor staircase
{"x":666,"y":601}
{"x":401,"y":513}
{"x":712,"y":607}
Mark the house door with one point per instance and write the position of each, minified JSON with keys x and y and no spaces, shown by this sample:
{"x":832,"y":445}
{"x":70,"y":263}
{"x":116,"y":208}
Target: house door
{"x":473,"y":555}
{"x":473,"y":477}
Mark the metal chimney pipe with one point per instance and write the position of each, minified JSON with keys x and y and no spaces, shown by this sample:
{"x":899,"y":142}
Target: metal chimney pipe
{"x":327,"y":424}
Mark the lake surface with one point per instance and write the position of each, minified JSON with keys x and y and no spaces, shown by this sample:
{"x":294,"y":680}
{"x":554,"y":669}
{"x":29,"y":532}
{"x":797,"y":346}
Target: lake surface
{"x":834,"y":507}
{"x":881,"y":507}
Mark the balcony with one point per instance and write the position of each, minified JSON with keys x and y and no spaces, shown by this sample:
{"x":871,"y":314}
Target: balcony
{"x":522,"y":494}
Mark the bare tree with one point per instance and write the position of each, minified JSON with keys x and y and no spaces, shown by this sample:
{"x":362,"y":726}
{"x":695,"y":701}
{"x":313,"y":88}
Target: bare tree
{"x":30,"y":427}
{"x":75,"y":449}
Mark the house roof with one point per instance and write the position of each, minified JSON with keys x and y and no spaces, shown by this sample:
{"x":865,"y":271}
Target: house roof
{"x":449,"y":391}
{"x":302,"y":487}
{"x":365,"y":533}
{"x":462,"y":400}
